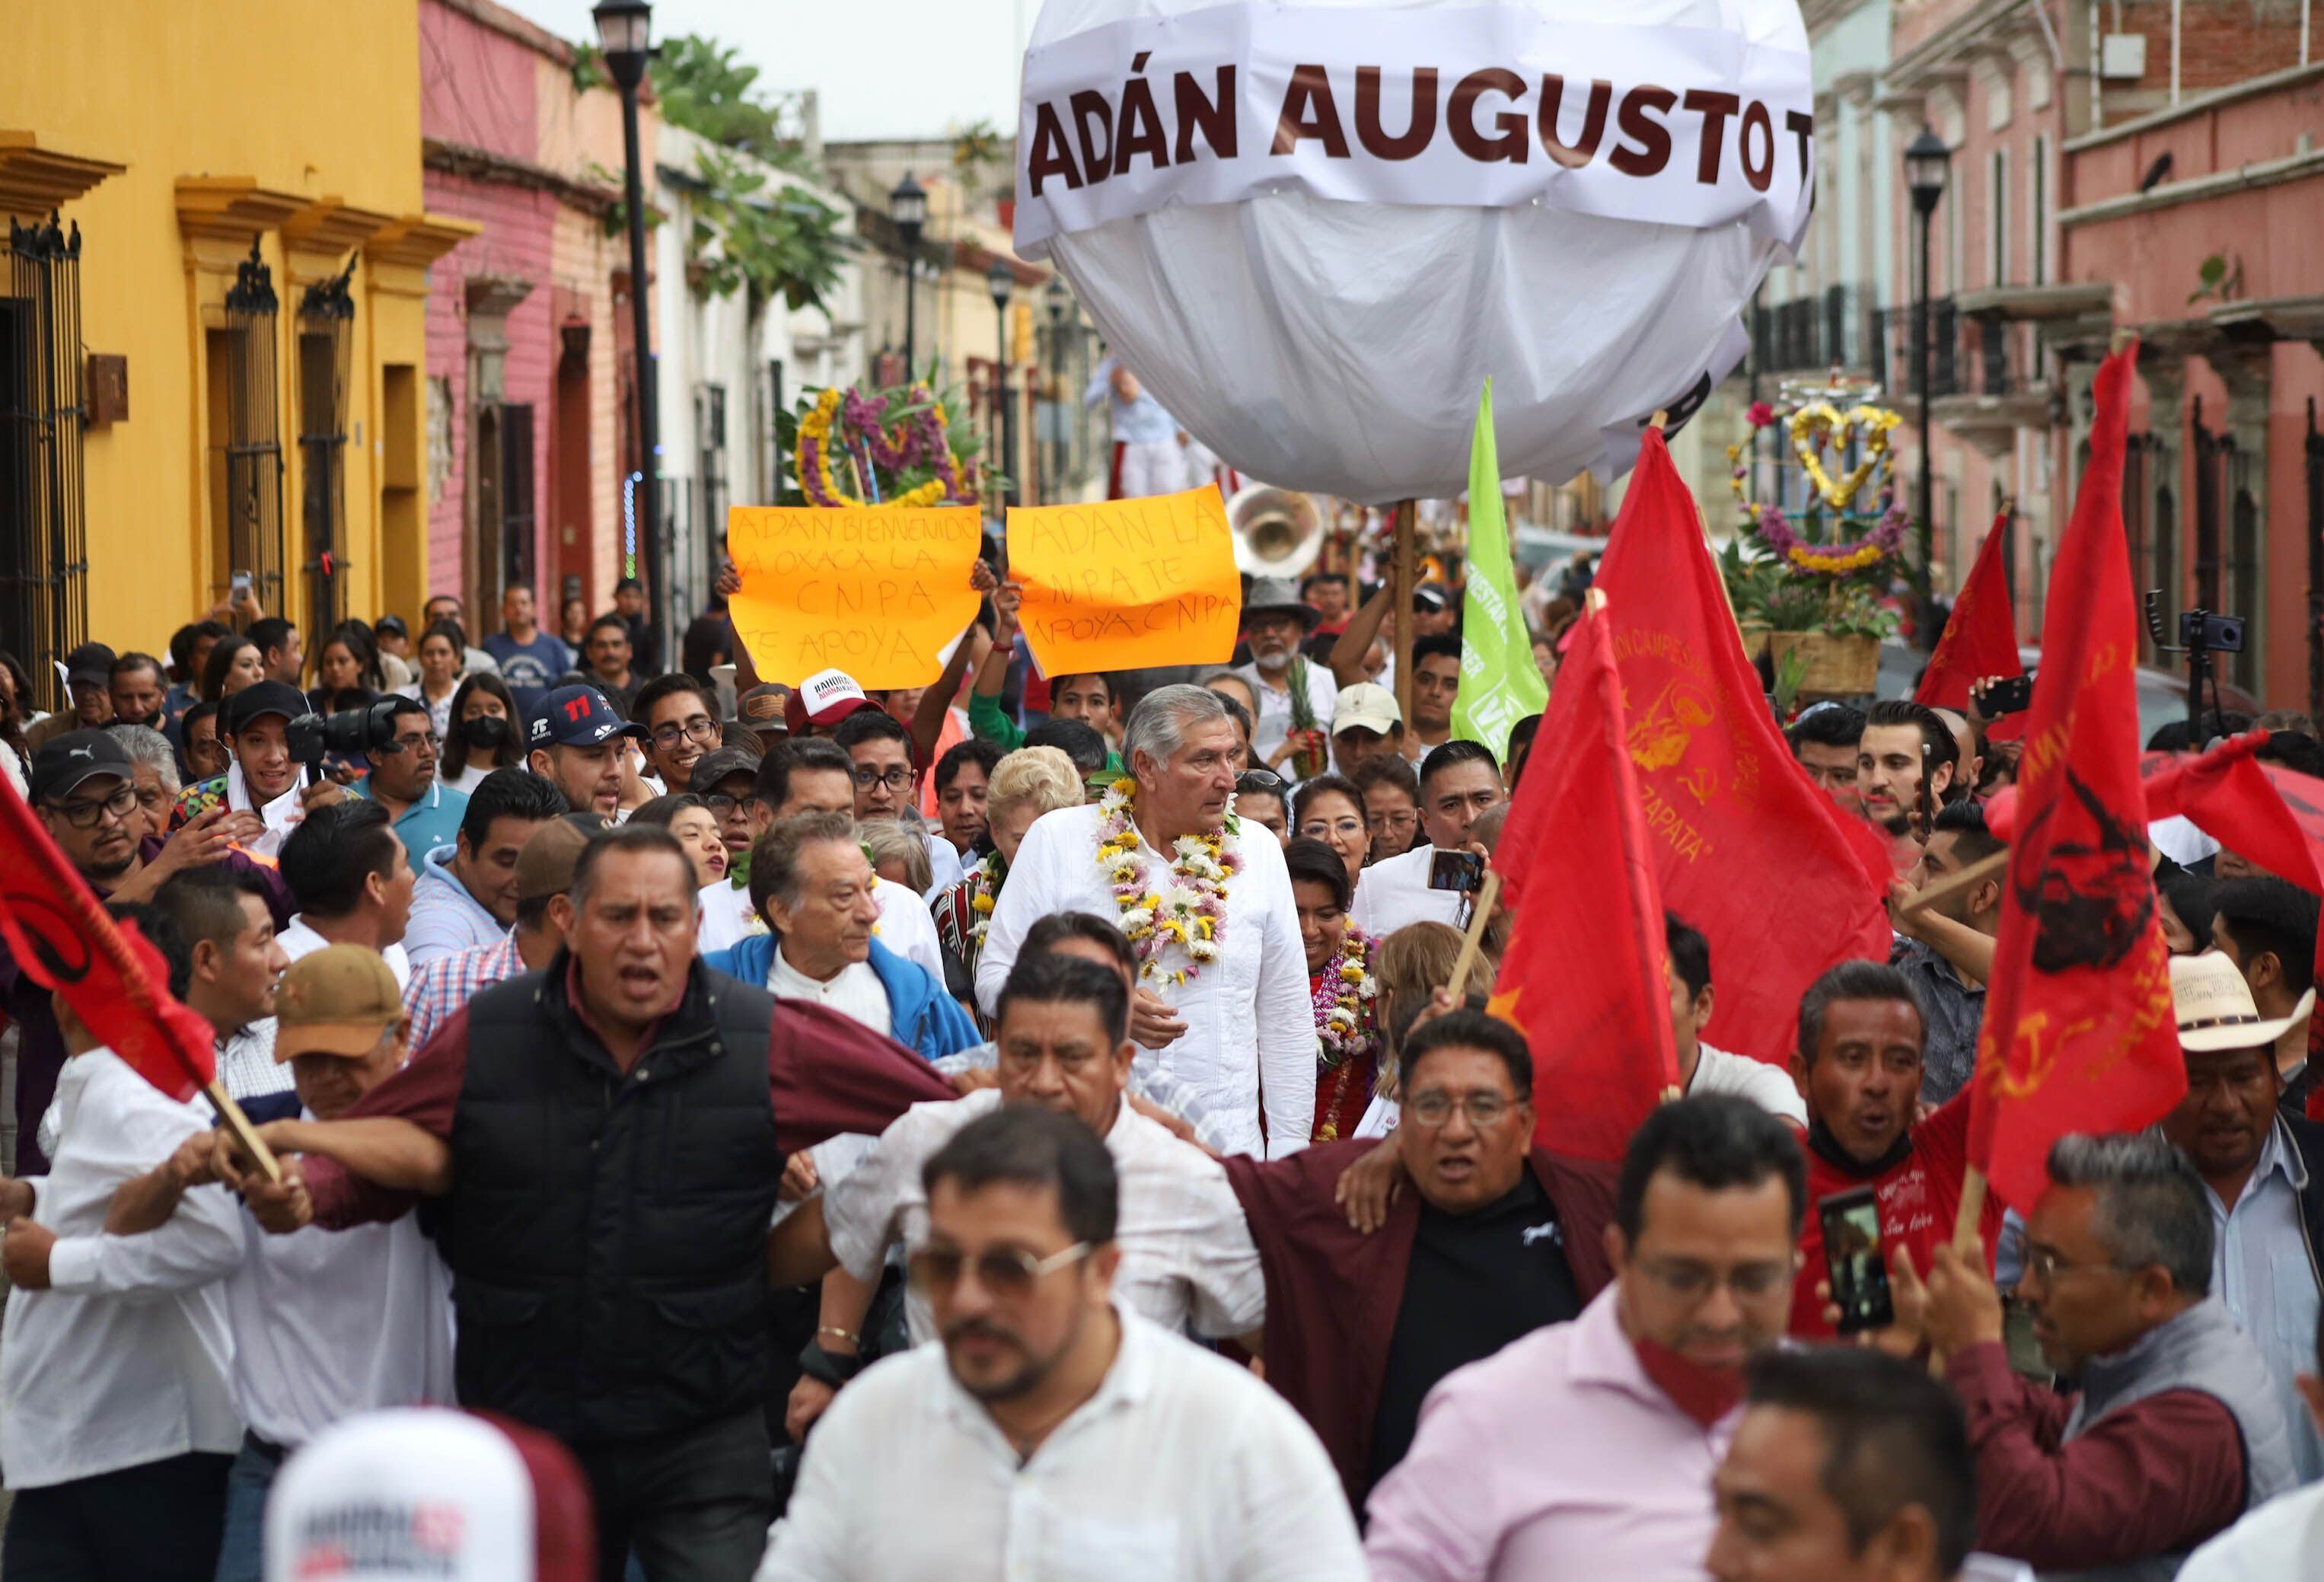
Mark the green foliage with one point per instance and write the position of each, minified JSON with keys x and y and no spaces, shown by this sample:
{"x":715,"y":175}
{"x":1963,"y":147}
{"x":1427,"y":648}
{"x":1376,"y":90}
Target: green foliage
{"x":704,"y":87}
{"x":1766,"y":593}
{"x":779,"y":246}
{"x":974,"y":147}
{"x":589,"y":69}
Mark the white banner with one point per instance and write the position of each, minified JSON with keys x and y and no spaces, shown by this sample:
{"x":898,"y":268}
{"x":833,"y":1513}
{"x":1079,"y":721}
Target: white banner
{"x":1491,"y":107}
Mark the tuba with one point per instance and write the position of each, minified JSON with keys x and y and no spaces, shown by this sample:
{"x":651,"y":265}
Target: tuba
{"x":1277,"y":532}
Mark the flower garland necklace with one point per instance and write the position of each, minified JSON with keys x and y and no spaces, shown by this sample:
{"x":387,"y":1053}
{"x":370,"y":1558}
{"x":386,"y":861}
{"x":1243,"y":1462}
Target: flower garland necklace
{"x":1192,"y":911}
{"x":1342,"y":994}
{"x":984,"y":887}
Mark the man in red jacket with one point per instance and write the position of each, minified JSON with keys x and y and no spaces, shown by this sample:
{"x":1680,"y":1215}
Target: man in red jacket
{"x":1862,"y":1032}
{"x":1499,"y":1239}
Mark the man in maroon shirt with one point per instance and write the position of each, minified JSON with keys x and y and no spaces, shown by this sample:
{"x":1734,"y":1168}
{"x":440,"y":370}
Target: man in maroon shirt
{"x":602,"y":1176}
{"x":2180,"y":1428}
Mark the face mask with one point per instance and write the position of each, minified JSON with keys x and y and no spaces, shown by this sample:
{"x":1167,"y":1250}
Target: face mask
{"x":485,"y":733}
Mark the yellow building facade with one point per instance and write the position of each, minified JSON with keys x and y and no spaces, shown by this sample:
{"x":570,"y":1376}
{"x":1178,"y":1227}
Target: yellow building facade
{"x":213,"y":357}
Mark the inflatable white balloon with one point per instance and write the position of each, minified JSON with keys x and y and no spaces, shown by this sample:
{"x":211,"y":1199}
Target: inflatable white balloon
{"x":1313,"y":229}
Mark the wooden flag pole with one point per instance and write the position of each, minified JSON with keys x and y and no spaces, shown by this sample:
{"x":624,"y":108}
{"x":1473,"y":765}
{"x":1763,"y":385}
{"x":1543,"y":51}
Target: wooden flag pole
{"x":1404,"y":527}
{"x":1976,"y":873}
{"x":244,"y":1132}
{"x":1472,"y":942}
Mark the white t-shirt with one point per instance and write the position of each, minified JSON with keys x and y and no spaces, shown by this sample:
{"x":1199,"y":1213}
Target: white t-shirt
{"x":1394,"y":892}
{"x":2281,"y":1540}
{"x":1274,"y":720}
{"x":855,"y":992}
{"x":1741,"y":1076}
{"x":299,"y":939}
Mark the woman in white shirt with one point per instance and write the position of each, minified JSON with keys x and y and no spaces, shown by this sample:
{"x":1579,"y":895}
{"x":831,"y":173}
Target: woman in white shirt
{"x":441,"y":652}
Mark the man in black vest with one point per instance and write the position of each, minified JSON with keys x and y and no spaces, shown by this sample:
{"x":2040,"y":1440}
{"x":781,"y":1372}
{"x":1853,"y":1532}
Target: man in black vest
{"x":602,"y":1174}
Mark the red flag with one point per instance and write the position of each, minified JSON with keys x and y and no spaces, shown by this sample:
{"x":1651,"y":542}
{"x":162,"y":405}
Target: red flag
{"x":2269,"y":815}
{"x":1981,"y":638}
{"x":1583,"y":974}
{"x":2078,"y":1033}
{"x":110,"y":974}
{"x":1747,"y":850}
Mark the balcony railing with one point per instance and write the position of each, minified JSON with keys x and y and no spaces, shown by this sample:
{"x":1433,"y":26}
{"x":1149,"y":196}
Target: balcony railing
{"x":1899,"y":329}
{"x":1831,"y":329}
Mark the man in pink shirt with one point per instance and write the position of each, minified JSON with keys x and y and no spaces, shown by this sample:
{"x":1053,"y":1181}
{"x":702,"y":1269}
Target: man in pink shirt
{"x":1586,"y":1448}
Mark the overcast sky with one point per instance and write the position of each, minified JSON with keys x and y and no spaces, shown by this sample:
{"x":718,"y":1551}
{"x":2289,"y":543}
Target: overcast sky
{"x":881,"y":68}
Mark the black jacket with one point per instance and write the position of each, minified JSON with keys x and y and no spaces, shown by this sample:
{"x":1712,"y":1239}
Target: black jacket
{"x":608,"y":1242}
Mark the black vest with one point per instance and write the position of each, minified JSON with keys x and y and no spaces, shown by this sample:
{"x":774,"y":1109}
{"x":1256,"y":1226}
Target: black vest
{"x":607,"y":1235}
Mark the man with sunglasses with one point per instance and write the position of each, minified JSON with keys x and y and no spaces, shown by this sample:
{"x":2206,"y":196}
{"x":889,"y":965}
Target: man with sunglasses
{"x":1054,"y":1420}
{"x":1586,"y":1448}
{"x":1496,"y":1238}
{"x":426,"y":812}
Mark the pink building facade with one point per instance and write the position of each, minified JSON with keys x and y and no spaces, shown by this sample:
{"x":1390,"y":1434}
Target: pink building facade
{"x":525,"y":365}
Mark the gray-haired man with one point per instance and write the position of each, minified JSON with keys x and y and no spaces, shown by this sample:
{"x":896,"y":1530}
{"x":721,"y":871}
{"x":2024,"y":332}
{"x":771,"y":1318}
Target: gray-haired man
{"x":1221,"y":999}
{"x":2180,"y":1428}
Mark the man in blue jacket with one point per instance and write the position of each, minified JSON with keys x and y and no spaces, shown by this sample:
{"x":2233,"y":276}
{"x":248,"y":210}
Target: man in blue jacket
{"x":810,"y":881}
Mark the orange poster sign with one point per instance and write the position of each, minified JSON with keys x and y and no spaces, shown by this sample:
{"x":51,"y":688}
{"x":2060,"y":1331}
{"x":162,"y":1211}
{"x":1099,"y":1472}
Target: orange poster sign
{"x":875,"y":592}
{"x":1122,"y":584}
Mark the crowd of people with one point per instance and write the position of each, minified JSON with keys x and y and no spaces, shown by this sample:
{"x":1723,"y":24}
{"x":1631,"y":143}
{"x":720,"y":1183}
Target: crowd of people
{"x":1023,"y":1126}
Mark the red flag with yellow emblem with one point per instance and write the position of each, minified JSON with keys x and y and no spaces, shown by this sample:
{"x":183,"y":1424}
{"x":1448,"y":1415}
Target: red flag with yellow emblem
{"x":2079,"y":1033}
{"x":1583,"y":975}
{"x":1746,"y":849}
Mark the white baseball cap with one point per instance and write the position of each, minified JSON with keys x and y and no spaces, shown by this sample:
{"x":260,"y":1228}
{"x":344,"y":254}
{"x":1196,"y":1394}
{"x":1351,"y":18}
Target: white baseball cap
{"x":389,"y":1495}
{"x":1367,"y":704}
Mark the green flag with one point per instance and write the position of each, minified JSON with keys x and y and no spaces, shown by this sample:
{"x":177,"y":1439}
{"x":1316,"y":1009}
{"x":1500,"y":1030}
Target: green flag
{"x":1499,"y":682}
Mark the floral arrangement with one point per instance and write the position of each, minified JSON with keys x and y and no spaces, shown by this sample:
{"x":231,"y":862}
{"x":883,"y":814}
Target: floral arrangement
{"x":901,"y":433}
{"x":984,"y":887}
{"x":1826,"y":568}
{"x":1191,"y":911}
{"x":1345,"y":988}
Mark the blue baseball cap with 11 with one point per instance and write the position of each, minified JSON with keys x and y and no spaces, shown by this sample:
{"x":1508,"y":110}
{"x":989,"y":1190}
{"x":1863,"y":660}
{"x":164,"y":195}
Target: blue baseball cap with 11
{"x":577,"y":717}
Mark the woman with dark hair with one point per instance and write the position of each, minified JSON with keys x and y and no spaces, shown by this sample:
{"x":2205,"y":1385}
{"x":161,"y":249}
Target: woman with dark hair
{"x":234,"y":663}
{"x":487,"y":733}
{"x":358,"y":631}
{"x":573,"y":622}
{"x":443,"y":647}
{"x":689,"y":818}
{"x":344,"y":663}
{"x":15,"y":755}
{"x":1341,"y":986}
{"x":1330,"y":808}
{"x":2185,"y":910}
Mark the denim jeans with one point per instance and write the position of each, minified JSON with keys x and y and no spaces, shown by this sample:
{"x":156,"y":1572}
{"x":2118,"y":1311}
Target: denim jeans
{"x":693,"y":1505}
{"x":242,"y":1553}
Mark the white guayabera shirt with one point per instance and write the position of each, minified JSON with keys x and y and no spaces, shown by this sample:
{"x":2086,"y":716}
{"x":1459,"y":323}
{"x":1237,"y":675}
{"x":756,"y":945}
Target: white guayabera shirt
{"x":1251,"y":1030}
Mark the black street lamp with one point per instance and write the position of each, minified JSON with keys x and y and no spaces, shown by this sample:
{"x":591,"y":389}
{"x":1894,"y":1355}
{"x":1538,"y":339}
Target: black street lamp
{"x":625,"y":37}
{"x":1057,"y":300}
{"x":1926,"y":164}
{"x":1001,"y":281}
{"x":908,"y":205}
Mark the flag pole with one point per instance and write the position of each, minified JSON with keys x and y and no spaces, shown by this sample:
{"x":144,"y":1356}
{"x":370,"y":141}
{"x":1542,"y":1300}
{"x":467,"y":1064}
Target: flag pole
{"x":244,"y":1132}
{"x":1472,"y":942}
{"x":1976,"y":873}
{"x":1404,"y":525}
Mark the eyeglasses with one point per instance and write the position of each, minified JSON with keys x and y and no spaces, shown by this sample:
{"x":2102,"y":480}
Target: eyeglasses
{"x":1324,"y":829}
{"x":84,"y":815}
{"x":1695,"y":1282}
{"x":431,"y":742}
{"x":2042,"y":1264}
{"x":701,"y":729}
{"x":721,"y":805}
{"x":1007,"y":1273}
{"x":895,"y":780}
{"x":1400,"y":820}
{"x":1258,"y":780}
{"x":1433,"y":1109}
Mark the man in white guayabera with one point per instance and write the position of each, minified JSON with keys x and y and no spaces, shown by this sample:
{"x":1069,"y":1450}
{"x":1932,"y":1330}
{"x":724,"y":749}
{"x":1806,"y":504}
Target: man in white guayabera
{"x":1221,"y":1002}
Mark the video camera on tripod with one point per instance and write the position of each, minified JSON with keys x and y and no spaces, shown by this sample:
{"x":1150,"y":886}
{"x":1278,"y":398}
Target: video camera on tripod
{"x":2201,"y":634}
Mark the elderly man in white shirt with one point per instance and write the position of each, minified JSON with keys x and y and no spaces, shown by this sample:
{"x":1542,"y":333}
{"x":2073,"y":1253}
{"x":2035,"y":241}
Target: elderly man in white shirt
{"x":1054,"y":1433}
{"x":1459,"y":782}
{"x":1222,"y":1001}
{"x":115,"y":1421}
{"x":1294,"y":695}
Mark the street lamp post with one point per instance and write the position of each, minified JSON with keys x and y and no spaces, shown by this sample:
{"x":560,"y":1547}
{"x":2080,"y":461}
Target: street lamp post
{"x":1001,"y":281}
{"x":908,"y":205}
{"x":1056,"y":300}
{"x":625,"y":35}
{"x":1926,"y":162}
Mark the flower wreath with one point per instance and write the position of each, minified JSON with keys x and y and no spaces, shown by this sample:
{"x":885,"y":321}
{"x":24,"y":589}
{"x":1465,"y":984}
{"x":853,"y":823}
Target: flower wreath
{"x":851,"y":422}
{"x":1814,"y":422}
{"x":1818,"y":423}
{"x":1192,"y":913}
{"x":1346,"y":987}
{"x":1886,"y":536}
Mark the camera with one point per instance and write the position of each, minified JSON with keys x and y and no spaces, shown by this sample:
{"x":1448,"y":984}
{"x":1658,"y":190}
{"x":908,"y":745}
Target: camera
{"x":349,"y":733}
{"x":2218,"y":634}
